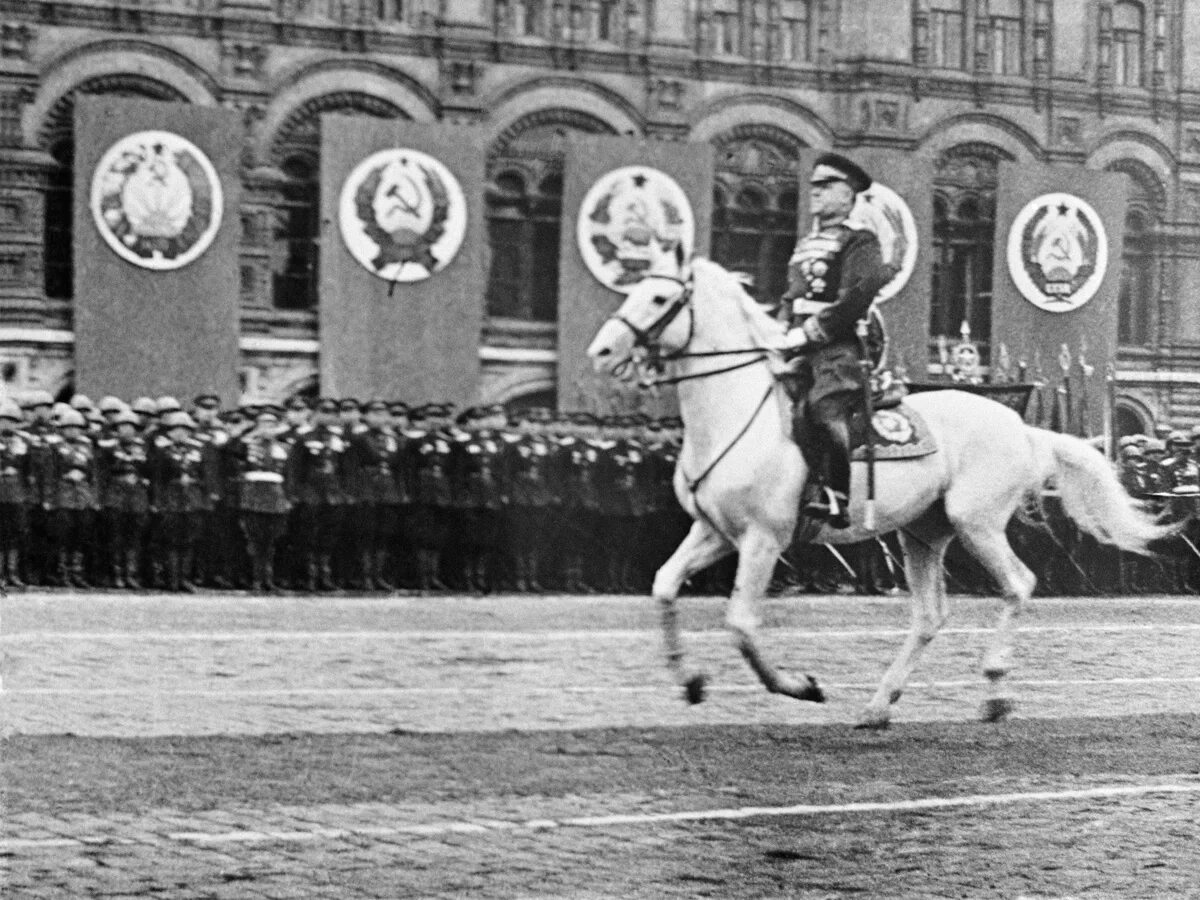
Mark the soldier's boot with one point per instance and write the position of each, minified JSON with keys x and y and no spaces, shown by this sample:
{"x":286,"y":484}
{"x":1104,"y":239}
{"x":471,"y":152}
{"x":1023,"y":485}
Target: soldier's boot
{"x":521,"y":581}
{"x":257,"y":574}
{"x":327,"y":581}
{"x":14,"y":569}
{"x":379,"y":566}
{"x":78,"y":575}
{"x":473,"y":573}
{"x":268,"y":565}
{"x":133,"y":577}
{"x":117,"y":571}
{"x":435,"y":571}
{"x":310,"y":575}
{"x":62,"y":575}
{"x":186,"y":561}
{"x":574,"y":576}
{"x":533,"y":565}
{"x":366,"y":567}
{"x":629,"y":577}
{"x":613,"y":576}
{"x":172,"y":571}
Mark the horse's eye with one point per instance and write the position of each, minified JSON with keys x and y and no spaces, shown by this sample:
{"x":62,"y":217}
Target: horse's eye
{"x":659,"y":301}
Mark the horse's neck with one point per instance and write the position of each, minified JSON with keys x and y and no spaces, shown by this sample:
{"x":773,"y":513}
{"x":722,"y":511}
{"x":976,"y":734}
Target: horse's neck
{"x":715,"y":409}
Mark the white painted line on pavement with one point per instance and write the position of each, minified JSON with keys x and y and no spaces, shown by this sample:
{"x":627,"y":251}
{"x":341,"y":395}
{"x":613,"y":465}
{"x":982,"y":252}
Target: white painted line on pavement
{"x":623,"y":634}
{"x":510,"y":690}
{"x":1181,"y":784}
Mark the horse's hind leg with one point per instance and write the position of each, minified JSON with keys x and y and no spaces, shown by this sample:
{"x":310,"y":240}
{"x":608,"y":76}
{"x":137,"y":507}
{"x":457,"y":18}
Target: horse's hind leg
{"x":988,"y":544}
{"x":701,"y":548}
{"x":924,"y":550}
{"x":758,"y":553}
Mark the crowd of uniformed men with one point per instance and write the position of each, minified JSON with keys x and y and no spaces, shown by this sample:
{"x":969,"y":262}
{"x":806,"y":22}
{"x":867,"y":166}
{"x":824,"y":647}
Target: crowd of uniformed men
{"x":331,"y":494}
{"x":338,"y":494}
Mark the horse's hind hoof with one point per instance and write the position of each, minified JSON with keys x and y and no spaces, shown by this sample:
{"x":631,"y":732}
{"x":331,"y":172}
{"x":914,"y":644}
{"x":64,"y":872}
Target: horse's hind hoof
{"x":873,"y":721}
{"x":693,"y":689}
{"x":811,"y":691}
{"x":997,"y":709}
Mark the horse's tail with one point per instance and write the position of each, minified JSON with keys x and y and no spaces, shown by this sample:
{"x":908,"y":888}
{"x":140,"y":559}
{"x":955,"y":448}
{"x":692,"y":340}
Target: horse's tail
{"x":1092,"y":494}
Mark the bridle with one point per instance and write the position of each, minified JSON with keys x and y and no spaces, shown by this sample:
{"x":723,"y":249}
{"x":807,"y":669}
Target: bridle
{"x":654,"y":360}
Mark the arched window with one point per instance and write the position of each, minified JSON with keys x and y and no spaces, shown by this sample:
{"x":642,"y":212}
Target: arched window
{"x":294,"y":244}
{"x":1006,"y":29}
{"x":947,"y":34}
{"x":1128,"y":43}
{"x":524,"y":213}
{"x":57,"y":136}
{"x":1137,"y":291}
{"x":754,"y":206}
{"x":964,"y":228}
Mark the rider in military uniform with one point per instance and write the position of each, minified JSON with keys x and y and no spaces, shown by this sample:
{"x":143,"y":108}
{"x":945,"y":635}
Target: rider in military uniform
{"x":833,"y":277}
{"x":124,"y":497}
{"x":16,"y":492}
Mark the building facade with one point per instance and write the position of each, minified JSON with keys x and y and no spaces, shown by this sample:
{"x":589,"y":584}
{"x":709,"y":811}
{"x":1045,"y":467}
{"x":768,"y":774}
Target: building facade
{"x":966,"y":84}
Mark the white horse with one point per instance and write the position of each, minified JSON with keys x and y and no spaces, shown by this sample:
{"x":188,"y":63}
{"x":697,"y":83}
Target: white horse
{"x":740,"y":477}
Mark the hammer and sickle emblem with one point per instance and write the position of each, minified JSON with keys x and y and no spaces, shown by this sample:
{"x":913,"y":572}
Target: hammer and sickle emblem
{"x":406,"y":194}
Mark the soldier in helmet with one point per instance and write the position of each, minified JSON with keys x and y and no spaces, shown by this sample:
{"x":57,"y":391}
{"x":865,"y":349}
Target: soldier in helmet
{"x":70,"y":497}
{"x":318,"y":479}
{"x":181,"y":483}
{"x":833,"y":277}
{"x":262,"y":500}
{"x":40,"y":431}
{"x":16,"y":492}
{"x":109,"y":407}
{"x":124,"y":470}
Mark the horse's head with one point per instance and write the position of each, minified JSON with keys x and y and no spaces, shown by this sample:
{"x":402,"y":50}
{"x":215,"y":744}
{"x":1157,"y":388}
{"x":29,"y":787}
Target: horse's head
{"x":648,"y":319}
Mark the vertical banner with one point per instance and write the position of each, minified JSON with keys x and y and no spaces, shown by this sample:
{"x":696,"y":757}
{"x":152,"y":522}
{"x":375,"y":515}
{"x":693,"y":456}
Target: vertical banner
{"x":619,"y":195}
{"x":402,"y":250}
{"x":898,"y":207}
{"x":157,"y":189}
{"x":1059,"y":237}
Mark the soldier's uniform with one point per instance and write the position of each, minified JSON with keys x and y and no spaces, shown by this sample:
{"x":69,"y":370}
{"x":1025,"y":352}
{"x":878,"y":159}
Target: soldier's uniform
{"x":124,"y":466}
{"x":16,"y":492}
{"x":529,"y":462}
{"x":182,"y":482}
{"x":70,"y":497}
{"x":39,"y":555}
{"x":377,"y":455}
{"x":212,"y":549}
{"x":318,"y":477}
{"x":834,"y":275}
{"x":262,"y":500}
{"x":429,"y":453}
{"x":578,"y":455}
{"x":624,"y":491}
{"x":478,"y":498}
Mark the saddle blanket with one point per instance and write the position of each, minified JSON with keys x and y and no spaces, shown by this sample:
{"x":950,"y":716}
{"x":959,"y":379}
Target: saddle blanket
{"x":900,"y":433}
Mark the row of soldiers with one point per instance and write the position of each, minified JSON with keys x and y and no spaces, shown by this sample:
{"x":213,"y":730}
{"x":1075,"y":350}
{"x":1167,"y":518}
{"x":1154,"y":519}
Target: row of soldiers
{"x":332,"y":494}
{"x":1161,"y":466}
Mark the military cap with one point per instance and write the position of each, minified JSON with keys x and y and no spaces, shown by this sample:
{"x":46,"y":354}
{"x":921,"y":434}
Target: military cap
{"x":1195,"y":432}
{"x":82,"y":402}
{"x":110,"y":404}
{"x":70,"y":418}
{"x":298,"y":402}
{"x":376,"y":406}
{"x":10,"y":410}
{"x":267,"y":409}
{"x":207,"y":401}
{"x":166,"y":404}
{"x":1161,"y":431}
{"x":1154,"y":446}
{"x":178,"y":419}
{"x":349,"y":404}
{"x":1127,"y":440}
{"x":539,"y":414}
{"x":830,"y":167}
{"x":399,"y":408}
{"x":417,"y":414}
{"x":93,"y":415}
{"x":1133,"y":451}
{"x":126,"y":417}
{"x":329,"y":405}
{"x":1177,"y":437}
{"x":60,"y":409}
{"x":582,"y":417}
{"x":38,"y":398}
{"x":145,"y":406}
{"x":496,"y":409}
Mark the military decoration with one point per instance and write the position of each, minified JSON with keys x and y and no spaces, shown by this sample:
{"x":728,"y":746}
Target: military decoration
{"x":1057,"y":252}
{"x":628,"y":217}
{"x":156,"y":200}
{"x":884,"y":212}
{"x":402,"y":215}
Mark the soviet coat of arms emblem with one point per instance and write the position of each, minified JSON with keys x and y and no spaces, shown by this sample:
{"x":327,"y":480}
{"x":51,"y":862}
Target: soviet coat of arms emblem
{"x":627,"y":217}
{"x":156,"y":200}
{"x":884,"y":212}
{"x":402,"y":215}
{"x":1057,"y":252}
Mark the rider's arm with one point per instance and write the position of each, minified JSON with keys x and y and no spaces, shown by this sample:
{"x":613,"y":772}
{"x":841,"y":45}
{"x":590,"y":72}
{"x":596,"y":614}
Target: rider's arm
{"x":864,"y":274}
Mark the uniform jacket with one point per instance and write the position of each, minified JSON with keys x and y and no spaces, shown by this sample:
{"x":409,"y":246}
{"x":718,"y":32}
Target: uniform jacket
{"x":71,"y":474}
{"x":16,"y":469}
{"x":529,"y":464}
{"x":124,"y":475}
{"x":182,"y":478}
{"x":262,"y":465}
{"x":378,"y":466}
{"x":319,"y":466}
{"x":478,"y":463}
{"x":431,"y":463}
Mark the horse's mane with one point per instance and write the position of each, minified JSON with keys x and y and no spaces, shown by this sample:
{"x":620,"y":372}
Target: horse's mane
{"x":762,"y":325}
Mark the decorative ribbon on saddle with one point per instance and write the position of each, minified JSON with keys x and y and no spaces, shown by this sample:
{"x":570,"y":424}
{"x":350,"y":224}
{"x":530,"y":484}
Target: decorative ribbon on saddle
{"x":899,"y":433}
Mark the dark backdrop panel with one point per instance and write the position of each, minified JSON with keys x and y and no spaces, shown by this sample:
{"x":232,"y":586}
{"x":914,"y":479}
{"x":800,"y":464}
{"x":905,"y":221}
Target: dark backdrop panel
{"x":1028,"y":331}
{"x":139,"y":331}
{"x":583,"y":302}
{"x":421,"y":342}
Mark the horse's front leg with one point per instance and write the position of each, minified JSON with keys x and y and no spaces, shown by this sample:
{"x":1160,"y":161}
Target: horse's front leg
{"x":756,"y":564}
{"x":702,"y":547}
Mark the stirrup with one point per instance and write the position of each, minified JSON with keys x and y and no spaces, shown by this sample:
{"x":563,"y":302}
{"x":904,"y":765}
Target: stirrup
{"x":832,"y":507}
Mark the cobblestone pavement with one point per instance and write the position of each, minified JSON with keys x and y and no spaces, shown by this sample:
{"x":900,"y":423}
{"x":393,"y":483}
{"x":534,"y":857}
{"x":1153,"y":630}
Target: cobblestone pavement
{"x":228,"y":746}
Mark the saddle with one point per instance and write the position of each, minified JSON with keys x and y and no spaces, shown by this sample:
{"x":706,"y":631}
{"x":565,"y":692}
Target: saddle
{"x":899,"y":433}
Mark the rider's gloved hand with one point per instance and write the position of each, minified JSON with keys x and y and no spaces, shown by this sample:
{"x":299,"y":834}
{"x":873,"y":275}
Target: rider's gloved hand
{"x":780,"y":347}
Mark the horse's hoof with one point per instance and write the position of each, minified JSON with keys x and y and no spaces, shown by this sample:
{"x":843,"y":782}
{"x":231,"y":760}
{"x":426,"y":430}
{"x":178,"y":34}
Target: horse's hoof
{"x":693,"y":690}
{"x":811,"y":691}
{"x":997,"y":709}
{"x":873,"y":720}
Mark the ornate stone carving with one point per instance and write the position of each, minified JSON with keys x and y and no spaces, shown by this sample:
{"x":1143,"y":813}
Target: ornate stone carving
{"x":460,"y":77}
{"x":667,"y":95}
{"x":15,"y":40}
{"x":1070,"y":131}
{"x":243,"y":59}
